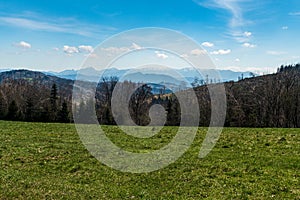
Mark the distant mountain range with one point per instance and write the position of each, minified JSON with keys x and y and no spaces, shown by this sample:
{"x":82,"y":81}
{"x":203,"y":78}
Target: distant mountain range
{"x":162,"y":79}
{"x":91,"y":74}
{"x":4,"y":70}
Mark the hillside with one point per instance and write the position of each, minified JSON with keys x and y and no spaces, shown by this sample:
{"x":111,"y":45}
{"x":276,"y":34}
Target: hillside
{"x":266,"y":101}
{"x":25,"y":95}
{"x":36,"y":78}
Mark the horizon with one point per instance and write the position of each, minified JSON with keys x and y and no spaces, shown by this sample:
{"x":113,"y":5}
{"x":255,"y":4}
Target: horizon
{"x":238,"y":35}
{"x":120,"y":68}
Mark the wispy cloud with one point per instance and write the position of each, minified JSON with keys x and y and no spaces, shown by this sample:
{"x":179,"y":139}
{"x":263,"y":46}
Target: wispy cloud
{"x":240,"y":36}
{"x":276,"y":53}
{"x":41,"y":23}
{"x":136,"y":46}
{"x":232,"y":6}
{"x":117,"y":50}
{"x":236,"y":9}
{"x":197,"y":52}
{"x":294,"y":13}
{"x":31,"y":24}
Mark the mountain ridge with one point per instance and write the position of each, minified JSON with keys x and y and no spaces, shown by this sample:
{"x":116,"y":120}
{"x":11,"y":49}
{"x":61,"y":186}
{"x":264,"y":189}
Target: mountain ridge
{"x":188,"y":73}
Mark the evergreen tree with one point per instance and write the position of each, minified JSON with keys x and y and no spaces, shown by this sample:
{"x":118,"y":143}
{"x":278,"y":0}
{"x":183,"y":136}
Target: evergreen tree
{"x":44,"y":114}
{"x":63,"y":115}
{"x":29,"y":114}
{"x":173,"y":111}
{"x":53,"y":103}
{"x":2,"y":107}
{"x":12,"y":113}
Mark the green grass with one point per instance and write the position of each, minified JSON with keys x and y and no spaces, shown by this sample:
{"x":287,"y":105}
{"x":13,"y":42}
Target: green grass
{"x":48,"y":161}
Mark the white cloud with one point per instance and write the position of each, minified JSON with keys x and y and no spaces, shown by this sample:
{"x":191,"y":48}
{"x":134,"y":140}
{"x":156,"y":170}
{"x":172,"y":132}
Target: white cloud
{"x":161,"y":55}
{"x":247,"y":34}
{"x":197,"y":52}
{"x":74,"y":50}
{"x":285,"y":28}
{"x":207,"y":44}
{"x":237,"y":60}
{"x":276,"y":53}
{"x":86,"y":48}
{"x":221,"y":52}
{"x":55,"y":49}
{"x":23,"y":45}
{"x":70,"y":50}
{"x":248,"y":45}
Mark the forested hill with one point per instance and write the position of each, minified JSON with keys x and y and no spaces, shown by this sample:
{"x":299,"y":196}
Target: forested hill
{"x":26,"y":95}
{"x":34,"y":77}
{"x":263,"y":101}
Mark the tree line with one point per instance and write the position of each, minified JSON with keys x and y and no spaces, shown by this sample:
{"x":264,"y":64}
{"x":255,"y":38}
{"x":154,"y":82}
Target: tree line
{"x":264,"y":101}
{"x":21,"y":100}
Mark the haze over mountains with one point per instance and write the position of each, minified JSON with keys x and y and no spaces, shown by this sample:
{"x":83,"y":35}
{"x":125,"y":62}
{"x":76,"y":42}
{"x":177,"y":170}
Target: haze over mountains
{"x":91,"y":74}
{"x":160,"y":78}
{"x":189,"y":74}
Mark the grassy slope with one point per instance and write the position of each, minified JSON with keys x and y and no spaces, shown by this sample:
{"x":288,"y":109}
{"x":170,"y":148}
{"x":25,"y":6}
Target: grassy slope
{"x":39,"y":161}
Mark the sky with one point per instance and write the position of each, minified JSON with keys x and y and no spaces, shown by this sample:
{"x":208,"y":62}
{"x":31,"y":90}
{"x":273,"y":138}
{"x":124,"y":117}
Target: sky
{"x":240,"y":35}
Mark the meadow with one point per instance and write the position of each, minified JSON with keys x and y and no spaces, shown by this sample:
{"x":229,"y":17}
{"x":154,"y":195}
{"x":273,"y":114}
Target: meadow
{"x":48,"y":161}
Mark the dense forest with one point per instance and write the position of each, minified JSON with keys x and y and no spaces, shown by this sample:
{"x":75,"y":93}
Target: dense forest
{"x":264,"y":101}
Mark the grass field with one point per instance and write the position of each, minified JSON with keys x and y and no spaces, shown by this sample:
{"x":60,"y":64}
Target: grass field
{"x":48,"y":161}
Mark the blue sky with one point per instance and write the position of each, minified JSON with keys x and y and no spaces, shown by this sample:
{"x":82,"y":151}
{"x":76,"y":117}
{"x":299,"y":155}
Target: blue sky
{"x":238,"y":34}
